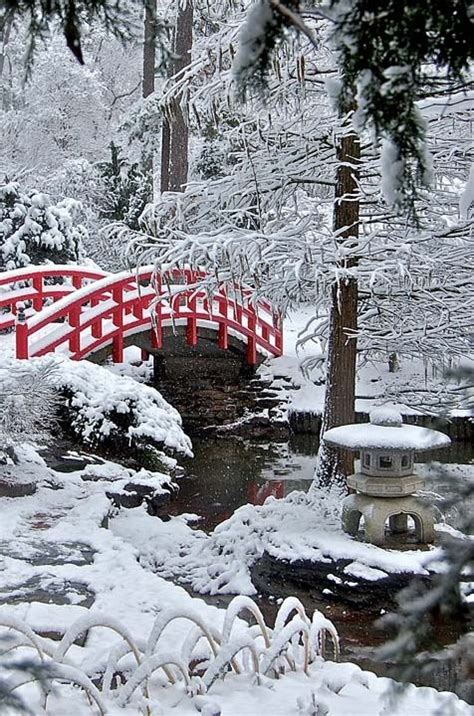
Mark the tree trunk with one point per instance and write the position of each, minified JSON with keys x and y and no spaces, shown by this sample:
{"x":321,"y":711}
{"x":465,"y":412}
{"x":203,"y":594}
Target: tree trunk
{"x":339,"y":407}
{"x":175,"y":135}
{"x":149,"y":60}
{"x":4,"y":40}
{"x":149,"y":48}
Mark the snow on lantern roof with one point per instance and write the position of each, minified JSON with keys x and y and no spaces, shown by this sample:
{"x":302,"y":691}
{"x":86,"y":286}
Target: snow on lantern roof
{"x":386,"y":432}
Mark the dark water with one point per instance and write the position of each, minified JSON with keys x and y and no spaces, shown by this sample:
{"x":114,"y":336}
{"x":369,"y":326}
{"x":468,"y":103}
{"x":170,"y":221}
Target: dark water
{"x":227,"y":473}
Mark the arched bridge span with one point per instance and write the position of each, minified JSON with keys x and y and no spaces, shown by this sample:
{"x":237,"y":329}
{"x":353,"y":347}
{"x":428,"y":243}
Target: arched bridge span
{"x":82,"y":311}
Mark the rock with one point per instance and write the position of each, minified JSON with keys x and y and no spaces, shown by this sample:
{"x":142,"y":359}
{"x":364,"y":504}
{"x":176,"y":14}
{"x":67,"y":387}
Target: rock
{"x":20,"y":480}
{"x":280,"y":577}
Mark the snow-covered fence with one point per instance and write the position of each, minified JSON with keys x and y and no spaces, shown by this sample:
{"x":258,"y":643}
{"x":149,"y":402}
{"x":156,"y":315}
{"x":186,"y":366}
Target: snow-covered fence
{"x":293,"y":643}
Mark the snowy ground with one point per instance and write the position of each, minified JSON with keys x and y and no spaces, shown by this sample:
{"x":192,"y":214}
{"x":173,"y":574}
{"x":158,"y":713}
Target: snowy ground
{"x":57,"y":541}
{"x":420,"y":385}
{"x":62,"y":557}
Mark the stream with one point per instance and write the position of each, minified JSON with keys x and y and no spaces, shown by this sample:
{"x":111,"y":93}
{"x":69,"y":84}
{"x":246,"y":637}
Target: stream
{"x":229,"y":472}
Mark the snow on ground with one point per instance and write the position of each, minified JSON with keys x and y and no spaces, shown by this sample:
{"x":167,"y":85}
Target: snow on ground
{"x":66,"y":511}
{"x":304,"y":391}
{"x":42,"y":539}
{"x":301,"y":526}
{"x":62,"y":556}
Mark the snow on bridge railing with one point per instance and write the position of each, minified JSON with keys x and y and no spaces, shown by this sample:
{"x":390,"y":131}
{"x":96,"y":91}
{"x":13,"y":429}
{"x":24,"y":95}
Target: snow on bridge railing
{"x":119,"y":305}
{"x":35,"y":285}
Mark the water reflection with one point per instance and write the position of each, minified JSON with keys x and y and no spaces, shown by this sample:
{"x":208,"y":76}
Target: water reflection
{"x":227,"y":473}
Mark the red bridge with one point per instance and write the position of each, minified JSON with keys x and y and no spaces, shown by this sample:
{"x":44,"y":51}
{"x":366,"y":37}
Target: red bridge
{"x":83,"y":311}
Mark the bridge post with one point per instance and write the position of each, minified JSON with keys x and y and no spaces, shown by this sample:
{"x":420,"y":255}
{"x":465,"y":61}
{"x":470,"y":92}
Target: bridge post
{"x":117,"y":348}
{"x":96,"y":328}
{"x":223,"y":338}
{"x":74,"y":320}
{"x":117,"y":317}
{"x":191,"y":325}
{"x":278,"y":323}
{"x":252,"y":339}
{"x":21,"y":334}
{"x":38,"y":287}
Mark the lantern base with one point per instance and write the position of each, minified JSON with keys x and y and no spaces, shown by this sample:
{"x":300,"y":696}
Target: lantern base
{"x":376,"y":511}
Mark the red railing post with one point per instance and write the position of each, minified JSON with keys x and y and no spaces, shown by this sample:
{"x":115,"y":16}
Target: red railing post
{"x":77,"y":281}
{"x":96,"y":328}
{"x":117,"y":348}
{"x":278,"y":323}
{"x":117,"y":319}
{"x":38,"y":287}
{"x":74,"y":320}
{"x":223,"y":337}
{"x":21,"y":334}
{"x":157,"y":327}
{"x":191,"y":324}
{"x":117,"y":316}
{"x":252,"y":338}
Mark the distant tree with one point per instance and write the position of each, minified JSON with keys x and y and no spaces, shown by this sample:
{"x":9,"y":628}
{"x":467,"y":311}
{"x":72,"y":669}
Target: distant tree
{"x":175,"y":131}
{"x":125,"y":189}
{"x":71,"y":16}
{"x":33,"y":229}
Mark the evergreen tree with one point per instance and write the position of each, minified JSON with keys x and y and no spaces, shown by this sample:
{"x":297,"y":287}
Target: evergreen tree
{"x":34,"y":230}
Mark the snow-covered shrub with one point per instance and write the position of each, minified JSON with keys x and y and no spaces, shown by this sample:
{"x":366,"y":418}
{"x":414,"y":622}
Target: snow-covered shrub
{"x":105,"y":408}
{"x":33,"y":229}
{"x":28,"y":402}
{"x":126,"y":189}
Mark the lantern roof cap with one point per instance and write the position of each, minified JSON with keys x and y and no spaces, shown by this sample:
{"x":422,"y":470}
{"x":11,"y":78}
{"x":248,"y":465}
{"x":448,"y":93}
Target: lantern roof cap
{"x":386,"y":432}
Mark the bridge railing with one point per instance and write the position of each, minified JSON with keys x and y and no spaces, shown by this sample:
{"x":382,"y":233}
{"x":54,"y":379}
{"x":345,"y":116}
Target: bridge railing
{"x":34,"y":285}
{"x":116,"y":306}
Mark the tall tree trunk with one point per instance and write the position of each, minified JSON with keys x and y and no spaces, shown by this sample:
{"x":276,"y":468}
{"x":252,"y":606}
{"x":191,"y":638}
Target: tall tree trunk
{"x":4,"y":40}
{"x":175,"y":135}
{"x":165,"y":155}
{"x":339,"y":406}
{"x":149,"y":61}
{"x":149,"y":48}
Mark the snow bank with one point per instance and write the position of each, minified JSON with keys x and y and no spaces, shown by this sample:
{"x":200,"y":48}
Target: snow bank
{"x":106,"y":405}
{"x":298,"y":527}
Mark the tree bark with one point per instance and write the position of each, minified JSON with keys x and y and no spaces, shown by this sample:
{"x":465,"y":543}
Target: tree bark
{"x":149,"y":48}
{"x":4,"y":40}
{"x":175,"y":134}
{"x":148,"y":81}
{"x":339,"y":406}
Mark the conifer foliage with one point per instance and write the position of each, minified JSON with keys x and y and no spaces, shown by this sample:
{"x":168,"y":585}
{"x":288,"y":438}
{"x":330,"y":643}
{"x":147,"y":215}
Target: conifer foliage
{"x":33,"y":229}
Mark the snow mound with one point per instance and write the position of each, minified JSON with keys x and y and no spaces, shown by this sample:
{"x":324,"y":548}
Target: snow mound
{"x":106,"y":405}
{"x":386,"y":416}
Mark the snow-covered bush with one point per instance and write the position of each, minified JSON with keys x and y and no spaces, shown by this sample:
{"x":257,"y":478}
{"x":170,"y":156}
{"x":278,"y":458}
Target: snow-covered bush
{"x":105,"y":408}
{"x":28,"y":402}
{"x":33,"y":229}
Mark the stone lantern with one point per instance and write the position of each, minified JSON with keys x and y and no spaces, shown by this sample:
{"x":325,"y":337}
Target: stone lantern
{"x":386,"y":483}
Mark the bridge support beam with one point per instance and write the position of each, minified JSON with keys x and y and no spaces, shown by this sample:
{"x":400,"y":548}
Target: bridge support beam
{"x":117,"y":348}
